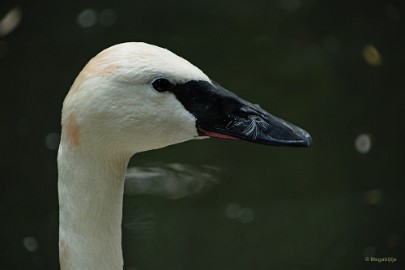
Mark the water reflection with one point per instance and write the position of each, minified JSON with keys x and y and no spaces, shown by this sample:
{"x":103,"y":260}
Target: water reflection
{"x":235,"y":211}
{"x":88,"y":18}
{"x":52,"y":141}
{"x":363,"y":143}
{"x":372,"y":55}
{"x":172,"y":181}
{"x":232,"y":210}
{"x":10,"y":21}
{"x":30,"y":243}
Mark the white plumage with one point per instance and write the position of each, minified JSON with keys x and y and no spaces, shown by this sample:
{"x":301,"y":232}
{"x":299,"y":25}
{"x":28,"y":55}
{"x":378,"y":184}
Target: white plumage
{"x":113,"y":110}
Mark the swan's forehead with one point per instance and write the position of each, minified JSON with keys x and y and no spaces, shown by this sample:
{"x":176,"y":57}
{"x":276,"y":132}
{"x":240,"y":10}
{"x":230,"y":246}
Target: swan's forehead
{"x":142,"y":63}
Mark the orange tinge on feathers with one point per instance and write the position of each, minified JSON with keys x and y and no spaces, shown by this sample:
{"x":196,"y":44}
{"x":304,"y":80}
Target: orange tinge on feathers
{"x":63,"y":255}
{"x":97,"y":66}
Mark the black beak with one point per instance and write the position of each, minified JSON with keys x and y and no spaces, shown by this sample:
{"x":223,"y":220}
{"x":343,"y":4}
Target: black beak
{"x":222,"y":114}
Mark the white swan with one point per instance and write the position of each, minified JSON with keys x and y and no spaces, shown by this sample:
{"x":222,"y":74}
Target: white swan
{"x":130,"y":98}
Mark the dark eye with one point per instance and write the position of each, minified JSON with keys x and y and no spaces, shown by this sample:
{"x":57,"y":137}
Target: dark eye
{"x":161,"y":85}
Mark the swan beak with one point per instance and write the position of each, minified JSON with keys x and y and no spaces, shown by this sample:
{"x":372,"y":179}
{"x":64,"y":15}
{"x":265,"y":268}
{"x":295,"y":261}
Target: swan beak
{"x":222,"y":114}
{"x":255,"y":125}
{"x":240,"y":119}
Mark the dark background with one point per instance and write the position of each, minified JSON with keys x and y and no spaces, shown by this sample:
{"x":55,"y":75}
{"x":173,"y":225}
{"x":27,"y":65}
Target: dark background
{"x":333,"y":67}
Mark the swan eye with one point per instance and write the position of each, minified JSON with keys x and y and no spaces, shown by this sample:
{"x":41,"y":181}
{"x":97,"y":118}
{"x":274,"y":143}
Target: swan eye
{"x":161,"y":84}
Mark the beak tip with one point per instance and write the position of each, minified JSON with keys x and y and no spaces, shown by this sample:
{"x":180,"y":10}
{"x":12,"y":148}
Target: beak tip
{"x":308,"y":140}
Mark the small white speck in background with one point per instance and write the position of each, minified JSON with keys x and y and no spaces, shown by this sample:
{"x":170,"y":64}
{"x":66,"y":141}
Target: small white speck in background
{"x":235,"y":211}
{"x":232,"y":210}
{"x":363,"y":143}
{"x":30,"y":243}
{"x":246,"y":215}
{"x":52,"y":141}
{"x":87,"y":18}
{"x":10,"y":21}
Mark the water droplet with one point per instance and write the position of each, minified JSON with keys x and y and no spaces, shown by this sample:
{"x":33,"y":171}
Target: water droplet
{"x":232,"y":210}
{"x":52,"y":141}
{"x":372,"y":55}
{"x":30,"y":243}
{"x":87,"y":18}
{"x":10,"y":21}
{"x":363,"y":143}
{"x":246,"y":215}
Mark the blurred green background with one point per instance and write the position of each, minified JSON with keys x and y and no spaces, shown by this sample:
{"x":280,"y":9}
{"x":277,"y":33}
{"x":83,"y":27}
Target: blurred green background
{"x":334,"y":68}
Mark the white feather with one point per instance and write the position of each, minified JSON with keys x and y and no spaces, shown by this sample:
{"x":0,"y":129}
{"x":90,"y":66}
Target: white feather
{"x":111,"y":113}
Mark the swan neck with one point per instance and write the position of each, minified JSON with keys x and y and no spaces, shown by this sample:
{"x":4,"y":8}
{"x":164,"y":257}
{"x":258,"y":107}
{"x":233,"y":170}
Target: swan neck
{"x":90,"y":191}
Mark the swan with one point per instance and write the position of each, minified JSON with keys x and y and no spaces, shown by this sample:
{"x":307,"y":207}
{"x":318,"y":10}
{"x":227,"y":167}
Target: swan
{"x":130,"y":98}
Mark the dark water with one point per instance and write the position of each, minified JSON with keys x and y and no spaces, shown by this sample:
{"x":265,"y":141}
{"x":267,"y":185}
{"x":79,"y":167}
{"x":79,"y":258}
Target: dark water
{"x":333,"y":67}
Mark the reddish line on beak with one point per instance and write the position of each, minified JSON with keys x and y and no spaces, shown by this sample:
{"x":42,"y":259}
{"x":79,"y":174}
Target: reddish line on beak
{"x":216,"y":135}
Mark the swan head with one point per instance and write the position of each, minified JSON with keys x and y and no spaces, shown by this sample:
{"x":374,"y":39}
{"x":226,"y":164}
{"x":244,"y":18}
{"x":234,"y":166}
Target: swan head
{"x":134,"y":97}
